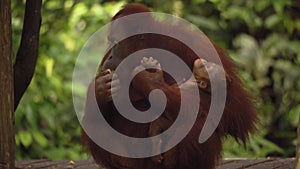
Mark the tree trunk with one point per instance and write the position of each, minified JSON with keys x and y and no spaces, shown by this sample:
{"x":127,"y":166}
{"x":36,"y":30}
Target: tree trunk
{"x":28,"y":51}
{"x":7,"y":137}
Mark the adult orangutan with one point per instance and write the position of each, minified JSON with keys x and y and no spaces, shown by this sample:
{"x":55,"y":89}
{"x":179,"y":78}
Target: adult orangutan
{"x":238,"y":119}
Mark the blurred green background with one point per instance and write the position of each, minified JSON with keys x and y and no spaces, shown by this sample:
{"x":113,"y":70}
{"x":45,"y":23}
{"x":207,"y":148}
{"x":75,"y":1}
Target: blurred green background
{"x":261,"y":35}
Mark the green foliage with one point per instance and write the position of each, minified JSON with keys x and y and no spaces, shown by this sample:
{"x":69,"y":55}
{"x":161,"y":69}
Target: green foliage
{"x":46,"y":123}
{"x":257,"y":147}
{"x":261,"y":35}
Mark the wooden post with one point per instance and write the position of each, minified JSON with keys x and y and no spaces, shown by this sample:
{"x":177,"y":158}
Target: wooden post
{"x":7,"y":137}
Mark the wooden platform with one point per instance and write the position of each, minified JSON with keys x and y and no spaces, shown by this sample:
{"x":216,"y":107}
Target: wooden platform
{"x":258,"y":163}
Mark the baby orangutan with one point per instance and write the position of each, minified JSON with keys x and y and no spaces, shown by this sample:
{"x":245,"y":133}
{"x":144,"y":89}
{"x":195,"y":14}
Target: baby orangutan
{"x":201,"y":71}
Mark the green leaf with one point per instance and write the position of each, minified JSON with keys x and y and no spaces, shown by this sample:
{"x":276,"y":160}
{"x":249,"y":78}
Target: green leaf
{"x":49,"y":64}
{"x":272,"y":20}
{"x":79,"y":10}
{"x":25,"y":138}
{"x":31,"y":117}
{"x":48,"y":117}
{"x":280,"y":5}
{"x":40,"y":138}
{"x":294,"y":116}
{"x":203,"y":22}
{"x":262,"y":5}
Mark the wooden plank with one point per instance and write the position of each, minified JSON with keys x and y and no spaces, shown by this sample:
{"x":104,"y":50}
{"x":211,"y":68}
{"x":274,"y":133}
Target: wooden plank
{"x":65,"y":164}
{"x":243,"y":163}
{"x":276,"y":164}
{"x":238,"y":163}
{"x":31,"y":162}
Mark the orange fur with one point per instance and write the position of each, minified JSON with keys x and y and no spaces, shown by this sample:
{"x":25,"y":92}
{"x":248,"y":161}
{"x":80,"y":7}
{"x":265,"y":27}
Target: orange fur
{"x":238,"y":120}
